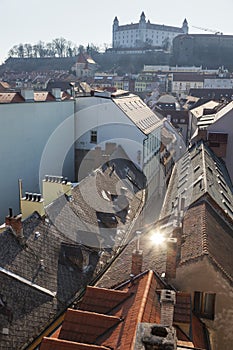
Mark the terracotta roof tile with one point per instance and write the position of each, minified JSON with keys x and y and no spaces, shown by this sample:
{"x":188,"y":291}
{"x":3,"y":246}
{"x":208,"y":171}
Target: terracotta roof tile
{"x":86,"y":327}
{"x":215,"y":235}
{"x":43,"y":96}
{"x":10,"y":97}
{"x":102,"y":300}
{"x":118,"y":329}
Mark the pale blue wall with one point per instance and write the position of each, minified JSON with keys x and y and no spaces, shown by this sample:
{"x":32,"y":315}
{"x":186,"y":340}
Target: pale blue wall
{"x":25,"y":129}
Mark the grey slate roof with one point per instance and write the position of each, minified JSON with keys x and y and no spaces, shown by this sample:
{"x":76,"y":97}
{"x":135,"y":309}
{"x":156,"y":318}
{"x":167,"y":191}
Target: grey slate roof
{"x":41,"y":275}
{"x":198,"y":173}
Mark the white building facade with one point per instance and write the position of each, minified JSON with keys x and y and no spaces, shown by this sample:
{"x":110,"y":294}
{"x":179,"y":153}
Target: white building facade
{"x":144,"y":34}
{"x":125,"y":121}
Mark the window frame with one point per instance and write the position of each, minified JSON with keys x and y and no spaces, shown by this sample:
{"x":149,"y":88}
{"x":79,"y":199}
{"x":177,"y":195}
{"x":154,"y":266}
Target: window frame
{"x":202,"y":306}
{"x":93,"y":136}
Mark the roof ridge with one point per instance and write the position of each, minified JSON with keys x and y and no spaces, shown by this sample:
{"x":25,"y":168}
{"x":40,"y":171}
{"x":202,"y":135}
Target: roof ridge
{"x":143,"y":302}
{"x":204,"y":230}
{"x":204,"y":167}
{"x":220,"y":267}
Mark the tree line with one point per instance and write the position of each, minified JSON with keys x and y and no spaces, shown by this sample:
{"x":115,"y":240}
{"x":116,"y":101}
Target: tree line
{"x":59,"y":47}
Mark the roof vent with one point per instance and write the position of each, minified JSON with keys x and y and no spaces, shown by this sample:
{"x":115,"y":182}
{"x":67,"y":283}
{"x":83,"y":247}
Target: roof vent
{"x":37,"y":234}
{"x":5,"y":331}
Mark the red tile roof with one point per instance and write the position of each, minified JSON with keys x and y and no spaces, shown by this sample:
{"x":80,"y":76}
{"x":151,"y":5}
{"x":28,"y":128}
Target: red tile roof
{"x":86,"y":327}
{"x":4,"y":86}
{"x":102,"y":300}
{"x":43,"y":96}
{"x":207,"y":230}
{"x":10,"y":97}
{"x":108,"y":319}
{"x":134,"y":302}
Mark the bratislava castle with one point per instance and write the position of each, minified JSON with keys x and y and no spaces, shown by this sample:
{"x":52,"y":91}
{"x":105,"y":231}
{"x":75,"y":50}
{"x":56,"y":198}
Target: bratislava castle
{"x":144,"y":33}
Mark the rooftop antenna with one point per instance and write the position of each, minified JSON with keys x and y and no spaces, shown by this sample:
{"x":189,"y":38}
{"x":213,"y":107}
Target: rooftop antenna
{"x":20,"y":194}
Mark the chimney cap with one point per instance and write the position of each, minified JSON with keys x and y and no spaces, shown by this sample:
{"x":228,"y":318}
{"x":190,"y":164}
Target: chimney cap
{"x":168,"y":296}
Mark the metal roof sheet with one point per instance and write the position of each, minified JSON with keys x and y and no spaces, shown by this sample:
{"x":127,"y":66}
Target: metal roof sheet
{"x":138,"y":112}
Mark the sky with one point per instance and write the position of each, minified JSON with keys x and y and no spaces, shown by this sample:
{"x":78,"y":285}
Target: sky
{"x":83,"y":22}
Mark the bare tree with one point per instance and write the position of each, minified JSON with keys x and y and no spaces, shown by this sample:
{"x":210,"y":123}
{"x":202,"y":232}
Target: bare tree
{"x":60,"y":46}
{"x":41,"y":48}
{"x":50,"y":50}
{"x":13,"y":52}
{"x":28,"y":50}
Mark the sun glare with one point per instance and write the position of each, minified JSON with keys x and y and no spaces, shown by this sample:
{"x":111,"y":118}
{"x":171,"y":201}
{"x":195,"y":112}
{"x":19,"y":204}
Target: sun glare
{"x":157,"y":237}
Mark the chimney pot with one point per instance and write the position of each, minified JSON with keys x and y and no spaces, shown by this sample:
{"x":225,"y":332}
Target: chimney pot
{"x":66,"y":180}
{"x":10,"y":212}
{"x":137,"y":260}
{"x":15,"y":223}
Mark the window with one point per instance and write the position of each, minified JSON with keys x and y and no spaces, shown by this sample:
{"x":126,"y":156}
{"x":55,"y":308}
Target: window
{"x":204,"y":304}
{"x":93,"y":137}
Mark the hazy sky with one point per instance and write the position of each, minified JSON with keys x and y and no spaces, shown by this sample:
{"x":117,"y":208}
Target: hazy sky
{"x":83,"y":22}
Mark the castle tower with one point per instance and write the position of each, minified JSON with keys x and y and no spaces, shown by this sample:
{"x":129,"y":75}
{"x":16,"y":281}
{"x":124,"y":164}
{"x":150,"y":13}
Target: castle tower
{"x":185,"y":27}
{"x":114,"y":29}
{"x":142,"y":21}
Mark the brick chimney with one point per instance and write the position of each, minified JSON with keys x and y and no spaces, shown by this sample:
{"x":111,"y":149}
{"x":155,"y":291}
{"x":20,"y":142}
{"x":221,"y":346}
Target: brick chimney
{"x":155,"y":336}
{"x":15,"y":222}
{"x":171,"y":258}
{"x":137,"y":259}
{"x":167,"y":300}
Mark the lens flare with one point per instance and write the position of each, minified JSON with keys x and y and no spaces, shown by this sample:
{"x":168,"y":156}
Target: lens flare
{"x":157,"y":237}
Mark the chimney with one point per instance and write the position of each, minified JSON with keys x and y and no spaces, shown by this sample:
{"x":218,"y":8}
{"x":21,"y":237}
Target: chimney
{"x":54,"y":187}
{"x":137,"y":259}
{"x":15,"y":222}
{"x":56,"y":92}
{"x":28,"y":95}
{"x":30,"y":203}
{"x":171,"y":258}
{"x":151,"y":336}
{"x":167,"y":300}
